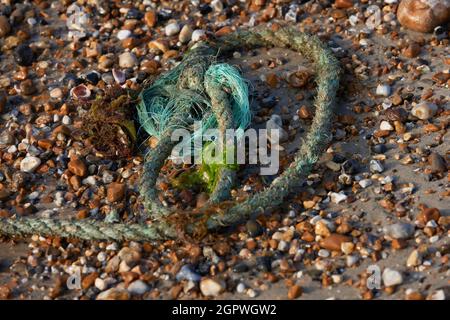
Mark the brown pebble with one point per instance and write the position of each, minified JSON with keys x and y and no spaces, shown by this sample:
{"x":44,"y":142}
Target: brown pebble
{"x":334,"y":241}
{"x":77,"y":166}
{"x":150,"y":18}
{"x":412,"y":50}
{"x":343,"y":4}
{"x":5,"y":27}
{"x":116,"y":191}
{"x":294,"y":292}
{"x":89,"y":280}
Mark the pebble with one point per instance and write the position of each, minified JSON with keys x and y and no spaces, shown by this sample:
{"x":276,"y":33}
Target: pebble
{"x":29,"y":164}
{"x":351,"y":260}
{"x":423,"y":15}
{"x":56,"y":93}
{"x":185,"y":34}
{"x":123,"y":34}
{"x":385,"y":125}
{"x":150,"y":18}
{"x":254,"y":229}
{"x":437,"y":163}
{"x":5,"y":27}
{"x":127,"y":60}
{"x":114,"y":294}
{"x":383,"y":90}
{"x":138,"y":287}
{"x":197,"y":35}
{"x":240,"y":288}
{"x":294,"y":292}
{"x":414,"y":259}
{"x":24,"y":55}
{"x":338,"y":197}
{"x":334,"y":241}
{"x":376,"y":166}
{"x":186,"y":273}
{"x":211,"y":288}
{"x":116,"y":191}
{"x":399,"y":230}
{"x":392,"y":277}
{"x":77,"y":167}
{"x":424,"y":110}
{"x":172,"y":29}
{"x":364,"y":183}
{"x":6,"y":138}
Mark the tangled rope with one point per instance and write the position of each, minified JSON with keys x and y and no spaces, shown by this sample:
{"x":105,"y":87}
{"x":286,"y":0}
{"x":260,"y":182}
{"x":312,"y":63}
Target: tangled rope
{"x":192,"y":77}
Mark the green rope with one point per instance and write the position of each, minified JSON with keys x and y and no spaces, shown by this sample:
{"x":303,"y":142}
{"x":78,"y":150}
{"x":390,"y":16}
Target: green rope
{"x":191,"y":77}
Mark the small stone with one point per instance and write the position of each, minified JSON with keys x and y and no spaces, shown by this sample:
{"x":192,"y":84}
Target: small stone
{"x":414,"y":259}
{"x":77,"y":167}
{"x":254,"y":229}
{"x":172,"y":29}
{"x":127,"y":60}
{"x":364,"y":183}
{"x":27,"y":87}
{"x":6,"y":138}
{"x":384,"y":125}
{"x":116,"y":192}
{"x":376,"y":166}
{"x":427,"y":215}
{"x":114,"y":294}
{"x":334,"y":242}
{"x":185,"y":34}
{"x":338,"y":197}
{"x":347,"y":247}
{"x":399,"y":230}
{"x":5,"y":292}
{"x":211,"y":288}
{"x":56,"y":93}
{"x":138,"y":287}
{"x":437,"y":163}
{"x":438,"y":295}
{"x":351,"y":260}
{"x":29,"y":164}
{"x":423,"y":15}
{"x":129,"y":256}
{"x":112,"y":265}
{"x":24,"y":55}
{"x":186,"y":273}
{"x":343,"y":4}
{"x":392,"y":277}
{"x":150,"y":18}
{"x":424,"y":110}
{"x":197,"y":35}
{"x":240,"y":288}
{"x":294,"y":292}
{"x":5,"y":27}
{"x":123,"y":34}
{"x":412,"y":50}
{"x":383,"y":90}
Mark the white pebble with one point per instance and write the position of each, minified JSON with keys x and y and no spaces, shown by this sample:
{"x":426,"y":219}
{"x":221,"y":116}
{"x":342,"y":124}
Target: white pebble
{"x":123,"y":34}
{"x":172,"y":29}
{"x":29,"y":164}
{"x":383,"y":90}
{"x":385,"y":125}
{"x":197,"y":35}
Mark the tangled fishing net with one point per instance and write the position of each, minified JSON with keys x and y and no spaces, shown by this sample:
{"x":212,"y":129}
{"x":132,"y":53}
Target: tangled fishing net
{"x":200,"y":88}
